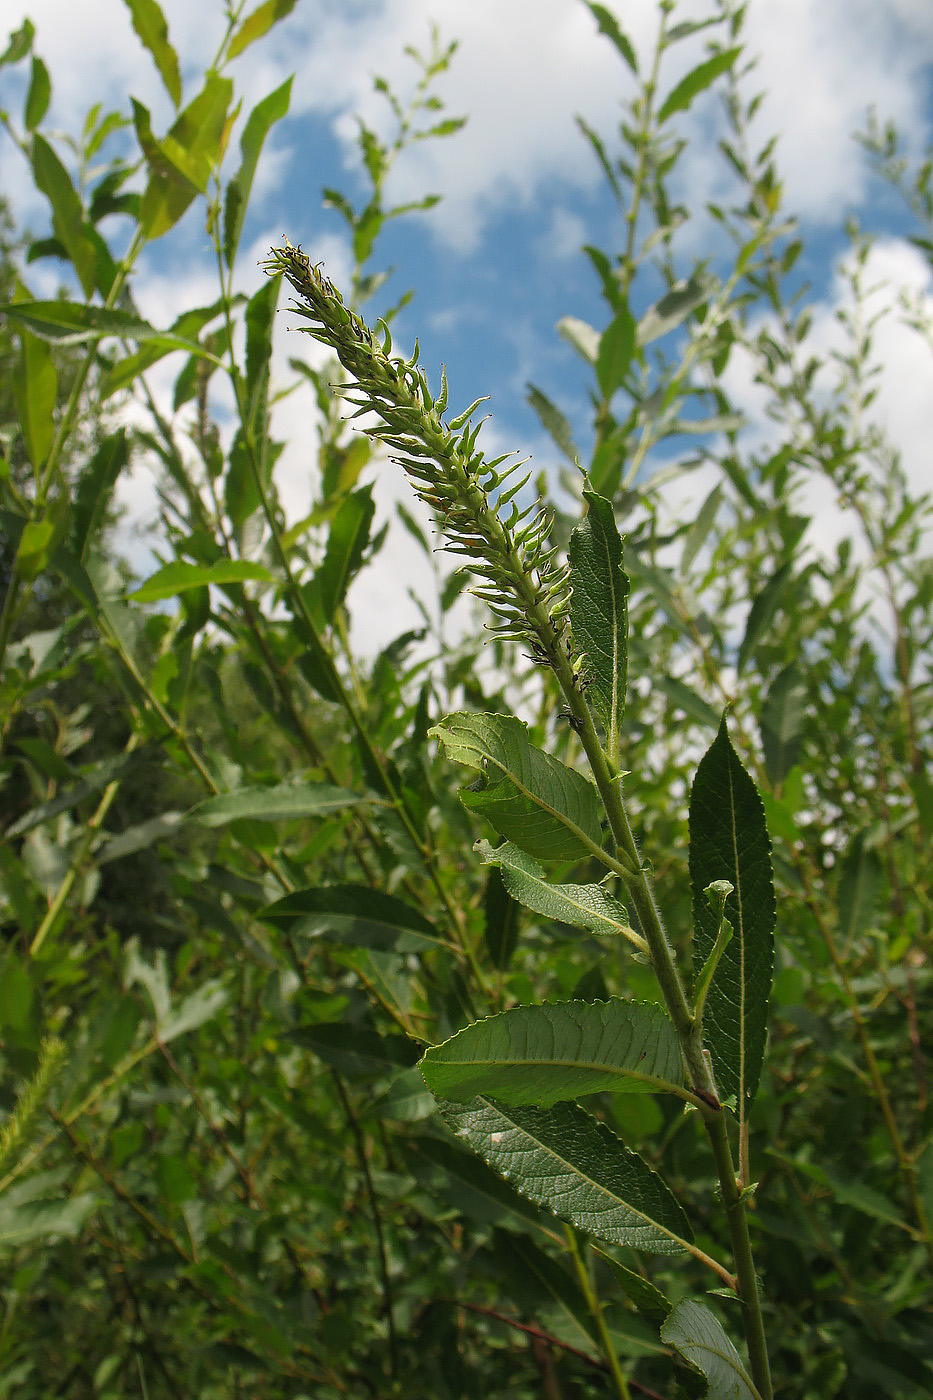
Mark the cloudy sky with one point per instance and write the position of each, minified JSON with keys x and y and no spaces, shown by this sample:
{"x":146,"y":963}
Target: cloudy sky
{"x":497,"y":263}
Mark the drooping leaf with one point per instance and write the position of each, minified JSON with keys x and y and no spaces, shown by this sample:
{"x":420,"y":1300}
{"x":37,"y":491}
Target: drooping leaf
{"x":554,"y":1052}
{"x":347,"y":539}
{"x":781,"y":723}
{"x":581,"y":906}
{"x":70,"y":323}
{"x":149,"y":23}
{"x":567,"y":1161}
{"x":476,"y":1190}
{"x":353,"y":914}
{"x":649,"y":1300}
{"x":536,"y":1278}
{"x":696,"y":81}
{"x":179,"y":576}
{"x":698,"y":1335}
{"x":181,"y":163}
{"x":355,"y":1049}
{"x":279,"y":802}
{"x":599,"y":611}
{"x":729,"y":841}
{"x":530,"y":798}
{"x":19,"y":44}
{"x":582,"y":336}
{"x":258,"y":124}
{"x":140,"y":836}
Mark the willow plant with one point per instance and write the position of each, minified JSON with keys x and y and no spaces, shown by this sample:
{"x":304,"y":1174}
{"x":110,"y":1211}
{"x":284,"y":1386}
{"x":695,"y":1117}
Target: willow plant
{"x":508,"y":1084}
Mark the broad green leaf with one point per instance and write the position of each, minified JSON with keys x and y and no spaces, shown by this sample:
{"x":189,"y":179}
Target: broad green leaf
{"x":616,"y":348}
{"x":346,"y":543}
{"x":33,"y":550}
{"x":860,"y":881}
{"x":781,"y":722}
{"x":581,"y":906}
{"x":609,"y":25}
{"x":94,"y":490}
{"x":280,"y":802}
{"x":693,"y":1331}
{"x":762,"y":612}
{"x":352,"y":914}
{"x":406,"y":1100}
{"x":69,"y":323}
{"x":599,"y":612}
{"x":149,"y":23}
{"x":567,"y":1161}
{"x":530,"y":798}
{"x":696,"y":81}
{"x":354,"y":1049}
{"x":181,"y":164}
{"x":38,"y":96}
{"x":554,"y":423}
{"x":729,"y":841}
{"x":35,"y":389}
{"x":553,"y":1052}
{"x":179,"y":576}
{"x":673,"y":309}
{"x":68,"y":219}
{"x":258,"y":23}
{"x":263,"y":116}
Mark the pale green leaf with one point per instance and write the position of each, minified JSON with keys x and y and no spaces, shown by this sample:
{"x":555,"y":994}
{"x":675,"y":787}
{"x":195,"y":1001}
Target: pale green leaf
{"x":179,"y":576}
{"x":152,"y":29}
{"x":672,"y":309}
{"x":257,"y":23}
{"x":581,"y":906}
{"x":279,"y":802}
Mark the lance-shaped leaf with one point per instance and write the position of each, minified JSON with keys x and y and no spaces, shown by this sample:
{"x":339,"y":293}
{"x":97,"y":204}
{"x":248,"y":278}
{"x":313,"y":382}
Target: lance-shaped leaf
{"x":280,"y":802}
{"x":179,"y":576}
{"x":729,"y":841}
{"x":553,"y":1052}
{"x":698,"y":1335}
{"x":582,"y":906}
{"x":353,"y":914}
{"x":346,"y":544}
{"x":529,"y":797}
{"x":598,"y":610}
{"x":565,"y":1160}
{"x":270,"y":110}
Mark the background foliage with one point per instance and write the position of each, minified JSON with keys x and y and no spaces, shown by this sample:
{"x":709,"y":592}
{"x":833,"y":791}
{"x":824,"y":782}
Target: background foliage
{"x":237,"y":888}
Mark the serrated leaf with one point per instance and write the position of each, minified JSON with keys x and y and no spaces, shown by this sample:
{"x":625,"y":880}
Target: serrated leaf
{"x":698,"y":1335}
{"x":553,"y":1052}
{"x":729,"y":841}
{"x":535,"y":1278}
{"x":567,"y":1161}
{"x":696,"y":81}
{"x":477,"y":1190}
{"x":258,"y":124}
{"x":280,"y":802}
{"x":599,"y":611}
{"x":353,"y":914}
{"x":530,"y":798}
{"x":179,"y":576}
{"x":354,"y":1049}
{"x":672,"y":309}
{"x":347,"y":539}
{"x":581,"y":906}
{"x":152,"y":29}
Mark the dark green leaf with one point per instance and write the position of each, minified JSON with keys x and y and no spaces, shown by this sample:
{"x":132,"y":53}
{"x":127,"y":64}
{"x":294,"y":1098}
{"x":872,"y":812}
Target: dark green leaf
{"x":354,"y":1049}
{"x":860,"y":882}
{"x":762,"y":612}
{"x":781,"y":723}
{"x":696,"y":81}
{"x":599,"y":612}
{"x":263,"y":116}
{"x":478,"y":1191}
{"x":616,"y":348}
{"x":69,"y":323}
{"x":149,"y":23}
{"x":353,"y":914}
{"x":501,"y":913}
{"x":729,"y":841}
{"x":35,"y":390}
{"x":650,"y":1301}
{"x":569,"y":1162}
{"x":554,"y":423}
{"x":609,"y":25}
{"x":346,"y":543}
{"x":698,"y":1335}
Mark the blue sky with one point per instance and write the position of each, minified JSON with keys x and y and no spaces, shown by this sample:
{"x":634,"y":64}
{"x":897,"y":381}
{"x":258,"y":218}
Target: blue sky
{"x":497,"y":263}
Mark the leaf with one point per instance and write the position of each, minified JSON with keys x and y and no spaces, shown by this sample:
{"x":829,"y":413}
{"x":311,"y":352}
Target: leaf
{"x":94,"y":489}
{"x":476,"y":1190}
{"x":860,"y":881}
{"x":258,"y":124}
{"x":35,"y":390}
{"x":258,"y":23}
{"x":569,"y":1162}
{"x":672,"y":309}
{"x":68,"y":219}
{"x":354,"y":1049}
{"x":70,"y":323}
{"x":198,"y":1008}
{"x":696,"y":81}
{"x":649,"y":1300}
{"x":280,"y":802}
{"x":609,"y":25}
{"x":530,"y":798}
{"x":729,"y":841}
{"x":181,"y":164}
{"x":354,"y":914}
{"x":19,"y":44}
{"x":536,"y":1279}
{"x":501,"y":917}
{"x":781,"y":723}
{"x":149,"y":23}
{"x":599,"y":612}
{"x":698,"y":1335}
{"x":761,"y":613}
{"x":581,"y":906}
{"x":21,"y":1223}
{"x":553,"y":1052}
{"x":346,"y":543}
{"x":616,"y":348}
{"x":554,"y":423}
{"x":179,"y":576}
{"x":38,"y":96}
{"x":583,"y":338}
{"x":140,"y":837}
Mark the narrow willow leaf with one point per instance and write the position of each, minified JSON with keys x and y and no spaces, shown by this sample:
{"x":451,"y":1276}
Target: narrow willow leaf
{"x":257,"y":23}
{"x":68,"y":219}
{"x":860,"y":880}
{"x":69,"y":323}
{"x":781,"y":723}
{"x":762,"y":612}
{"x":19,"y":44}
{"x":616,"y":349}
{"x":609,"y":25}
{"x":729,"y":841}
{"x":699,"y":530}
{"x":94,"y":490}
{"x":553,"y":1052}
{"x":581,"y":906}
{"x":554,"y":423}
{"x":567,"y":1161}
{"x":673,"y":309}
{"x":258,"y":124}
{"x":181,"y":164}
{"x":21,"y":1223}
{"x":699,"y":1337}
{"x":140,"y":837}
{"x":530,"y":798}
{"x":599,"y":611}
{"x":35,"y":390}
{"x":38,"y":96}
{"x":354,"y":1049}
{"x":346,"y":542}
{"x":696,"y":81}
{"x":352,"y":914}
{"x":179,"y":576}
{"x":149,"y":23}
{"x":281,"y":802}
